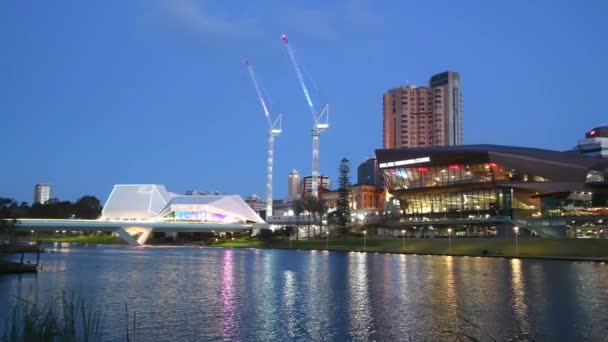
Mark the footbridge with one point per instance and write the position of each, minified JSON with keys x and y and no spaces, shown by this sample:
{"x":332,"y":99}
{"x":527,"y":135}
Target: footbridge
{"x":135,"y":233}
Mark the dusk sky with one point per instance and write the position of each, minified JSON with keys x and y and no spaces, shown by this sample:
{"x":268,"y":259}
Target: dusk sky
{"x":95,"y":93}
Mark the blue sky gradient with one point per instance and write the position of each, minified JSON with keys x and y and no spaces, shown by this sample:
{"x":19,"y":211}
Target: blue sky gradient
{"x":155,"y":91}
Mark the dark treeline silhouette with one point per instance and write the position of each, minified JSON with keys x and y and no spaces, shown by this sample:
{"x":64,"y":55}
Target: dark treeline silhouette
{"x":87,"y":207}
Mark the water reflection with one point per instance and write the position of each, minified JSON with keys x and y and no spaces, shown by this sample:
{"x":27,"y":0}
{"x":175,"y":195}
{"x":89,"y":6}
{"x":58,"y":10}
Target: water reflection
{"x":289,"y":301}
{"x":449,"y":288}
{"x":215,"y":294}
{"x":518,"y":299}
{"x":360,"y":317}
{"x":229,"y":320}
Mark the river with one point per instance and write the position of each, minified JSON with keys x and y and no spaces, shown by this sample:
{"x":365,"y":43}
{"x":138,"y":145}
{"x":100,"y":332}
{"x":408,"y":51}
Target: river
{"x":200,"y":294}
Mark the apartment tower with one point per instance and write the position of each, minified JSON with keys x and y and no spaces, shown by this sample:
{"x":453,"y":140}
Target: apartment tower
{"x":424,"y":116}
{"x":42,"y":193}
{"x":293,"y":185}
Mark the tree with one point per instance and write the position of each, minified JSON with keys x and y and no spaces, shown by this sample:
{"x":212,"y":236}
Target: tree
{"x":310,"y":203}
{"x":298,"y":209}
{"x":87,"y":207}
{"x":265,"y":235}
{"x":344,"y":193}
{"x":7,"y":219}
{"x":321,"y":209}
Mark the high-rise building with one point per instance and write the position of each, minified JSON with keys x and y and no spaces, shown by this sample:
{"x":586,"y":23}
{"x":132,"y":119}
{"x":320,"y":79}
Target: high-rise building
{"x":424,"y":116}
{"x":595,"y":143}
{"x":306,"y":185}
{"x":293,"y":185}
{"x":369,"y":174}
{"x":42,"y":193}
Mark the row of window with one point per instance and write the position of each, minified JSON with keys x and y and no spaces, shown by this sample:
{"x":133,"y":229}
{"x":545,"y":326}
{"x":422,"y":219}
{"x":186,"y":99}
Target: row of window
{"x":424,"y":177}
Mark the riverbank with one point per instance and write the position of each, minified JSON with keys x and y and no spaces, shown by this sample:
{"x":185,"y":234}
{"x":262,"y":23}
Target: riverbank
{"x":570,"y":249}
{"x":9,"y":267}
{"x":83,"y":239}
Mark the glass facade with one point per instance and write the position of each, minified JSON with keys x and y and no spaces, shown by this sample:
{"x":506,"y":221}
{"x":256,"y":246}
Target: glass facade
{"x":427,"y":177}
{"x":470,"y":202}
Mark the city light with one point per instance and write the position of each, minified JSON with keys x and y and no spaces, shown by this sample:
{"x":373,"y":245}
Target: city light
{"x":516,"y":229}
{"x":449,"y":240}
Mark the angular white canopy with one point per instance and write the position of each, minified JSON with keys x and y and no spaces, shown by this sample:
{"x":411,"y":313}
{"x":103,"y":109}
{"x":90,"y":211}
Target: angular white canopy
{"x":152,"y":201}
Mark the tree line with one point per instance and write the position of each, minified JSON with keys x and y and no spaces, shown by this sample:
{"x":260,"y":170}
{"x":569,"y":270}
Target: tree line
{"x":86,"y":207}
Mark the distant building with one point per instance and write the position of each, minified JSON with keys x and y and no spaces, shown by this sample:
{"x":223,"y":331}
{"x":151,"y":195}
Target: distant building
{"x":424,"y":116}
{"x":306,"y":185}
{"x":202,"y":193}
{"x":369,"y":174}
{"x":256,"y":203}
{"x":294,"y":185}
{"x":364,"y":199}
{"x":595,"y":143}
{"x":42,"y":193}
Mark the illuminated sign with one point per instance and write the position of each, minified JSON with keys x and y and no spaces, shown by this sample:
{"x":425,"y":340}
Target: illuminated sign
{"x":405,"y":162}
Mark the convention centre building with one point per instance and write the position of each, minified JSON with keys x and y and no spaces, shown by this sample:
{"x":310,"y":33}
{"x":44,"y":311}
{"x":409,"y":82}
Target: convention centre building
{"x":490,"y":189}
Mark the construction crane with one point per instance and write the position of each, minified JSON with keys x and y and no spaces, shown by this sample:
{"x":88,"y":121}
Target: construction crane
{"x":274,"y":129}
{"x":320,"y":119}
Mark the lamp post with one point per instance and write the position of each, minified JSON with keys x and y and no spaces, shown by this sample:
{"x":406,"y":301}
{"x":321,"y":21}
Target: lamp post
{"x":403,"y":237}
{"x":364,"y":240}
{"x":327,"y":239}
{"x":450,"y":240}
{"x":516,"y":229}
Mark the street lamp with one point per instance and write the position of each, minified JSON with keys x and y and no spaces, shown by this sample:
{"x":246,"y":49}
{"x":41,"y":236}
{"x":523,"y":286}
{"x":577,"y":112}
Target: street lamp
{"x":403,"y":237}
{"x":327,"y":240}
{"x":364,"y":240}
{"x":516,"y":229}
{"x":450,"y":240}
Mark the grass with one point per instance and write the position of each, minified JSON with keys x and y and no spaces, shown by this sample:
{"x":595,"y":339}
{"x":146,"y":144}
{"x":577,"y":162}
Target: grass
{"x":61,"y":318}
{"x":64,"y":318}
{"x":88,"y":239}
{"x":476,"y":246}
{"x":240,"y":242}
{"x":528,"y":247}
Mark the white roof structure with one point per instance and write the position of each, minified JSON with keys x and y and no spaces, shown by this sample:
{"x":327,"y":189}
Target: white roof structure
{"x":138,"y":202}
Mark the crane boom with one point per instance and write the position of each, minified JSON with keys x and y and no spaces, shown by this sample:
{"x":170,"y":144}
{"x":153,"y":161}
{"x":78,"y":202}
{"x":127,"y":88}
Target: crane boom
{"x":320,"y":120}
{"x":296,"y":67}
{"x":274,"y":129}
{"x":258,"y":91}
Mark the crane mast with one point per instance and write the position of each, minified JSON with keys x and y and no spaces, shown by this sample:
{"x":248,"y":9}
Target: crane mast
{"x":274,"y":129}
{"x":320,"y":119}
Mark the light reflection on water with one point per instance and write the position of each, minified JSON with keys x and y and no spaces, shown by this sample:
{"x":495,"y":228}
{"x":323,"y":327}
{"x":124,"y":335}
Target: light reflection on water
{"x":519,"y":297}
{"x":361,"y":322}
{"x":276,"y":295}
{"x":230,"y":326}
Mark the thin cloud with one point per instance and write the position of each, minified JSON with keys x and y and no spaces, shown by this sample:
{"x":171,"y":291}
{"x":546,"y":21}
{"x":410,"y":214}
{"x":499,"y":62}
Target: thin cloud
{"x":362,"y":14}
{"x":319,"y":23}
{"x":195,"y":16}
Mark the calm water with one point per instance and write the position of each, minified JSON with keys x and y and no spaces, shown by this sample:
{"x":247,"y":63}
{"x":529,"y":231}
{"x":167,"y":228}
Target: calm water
{"x":188,"y":294}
